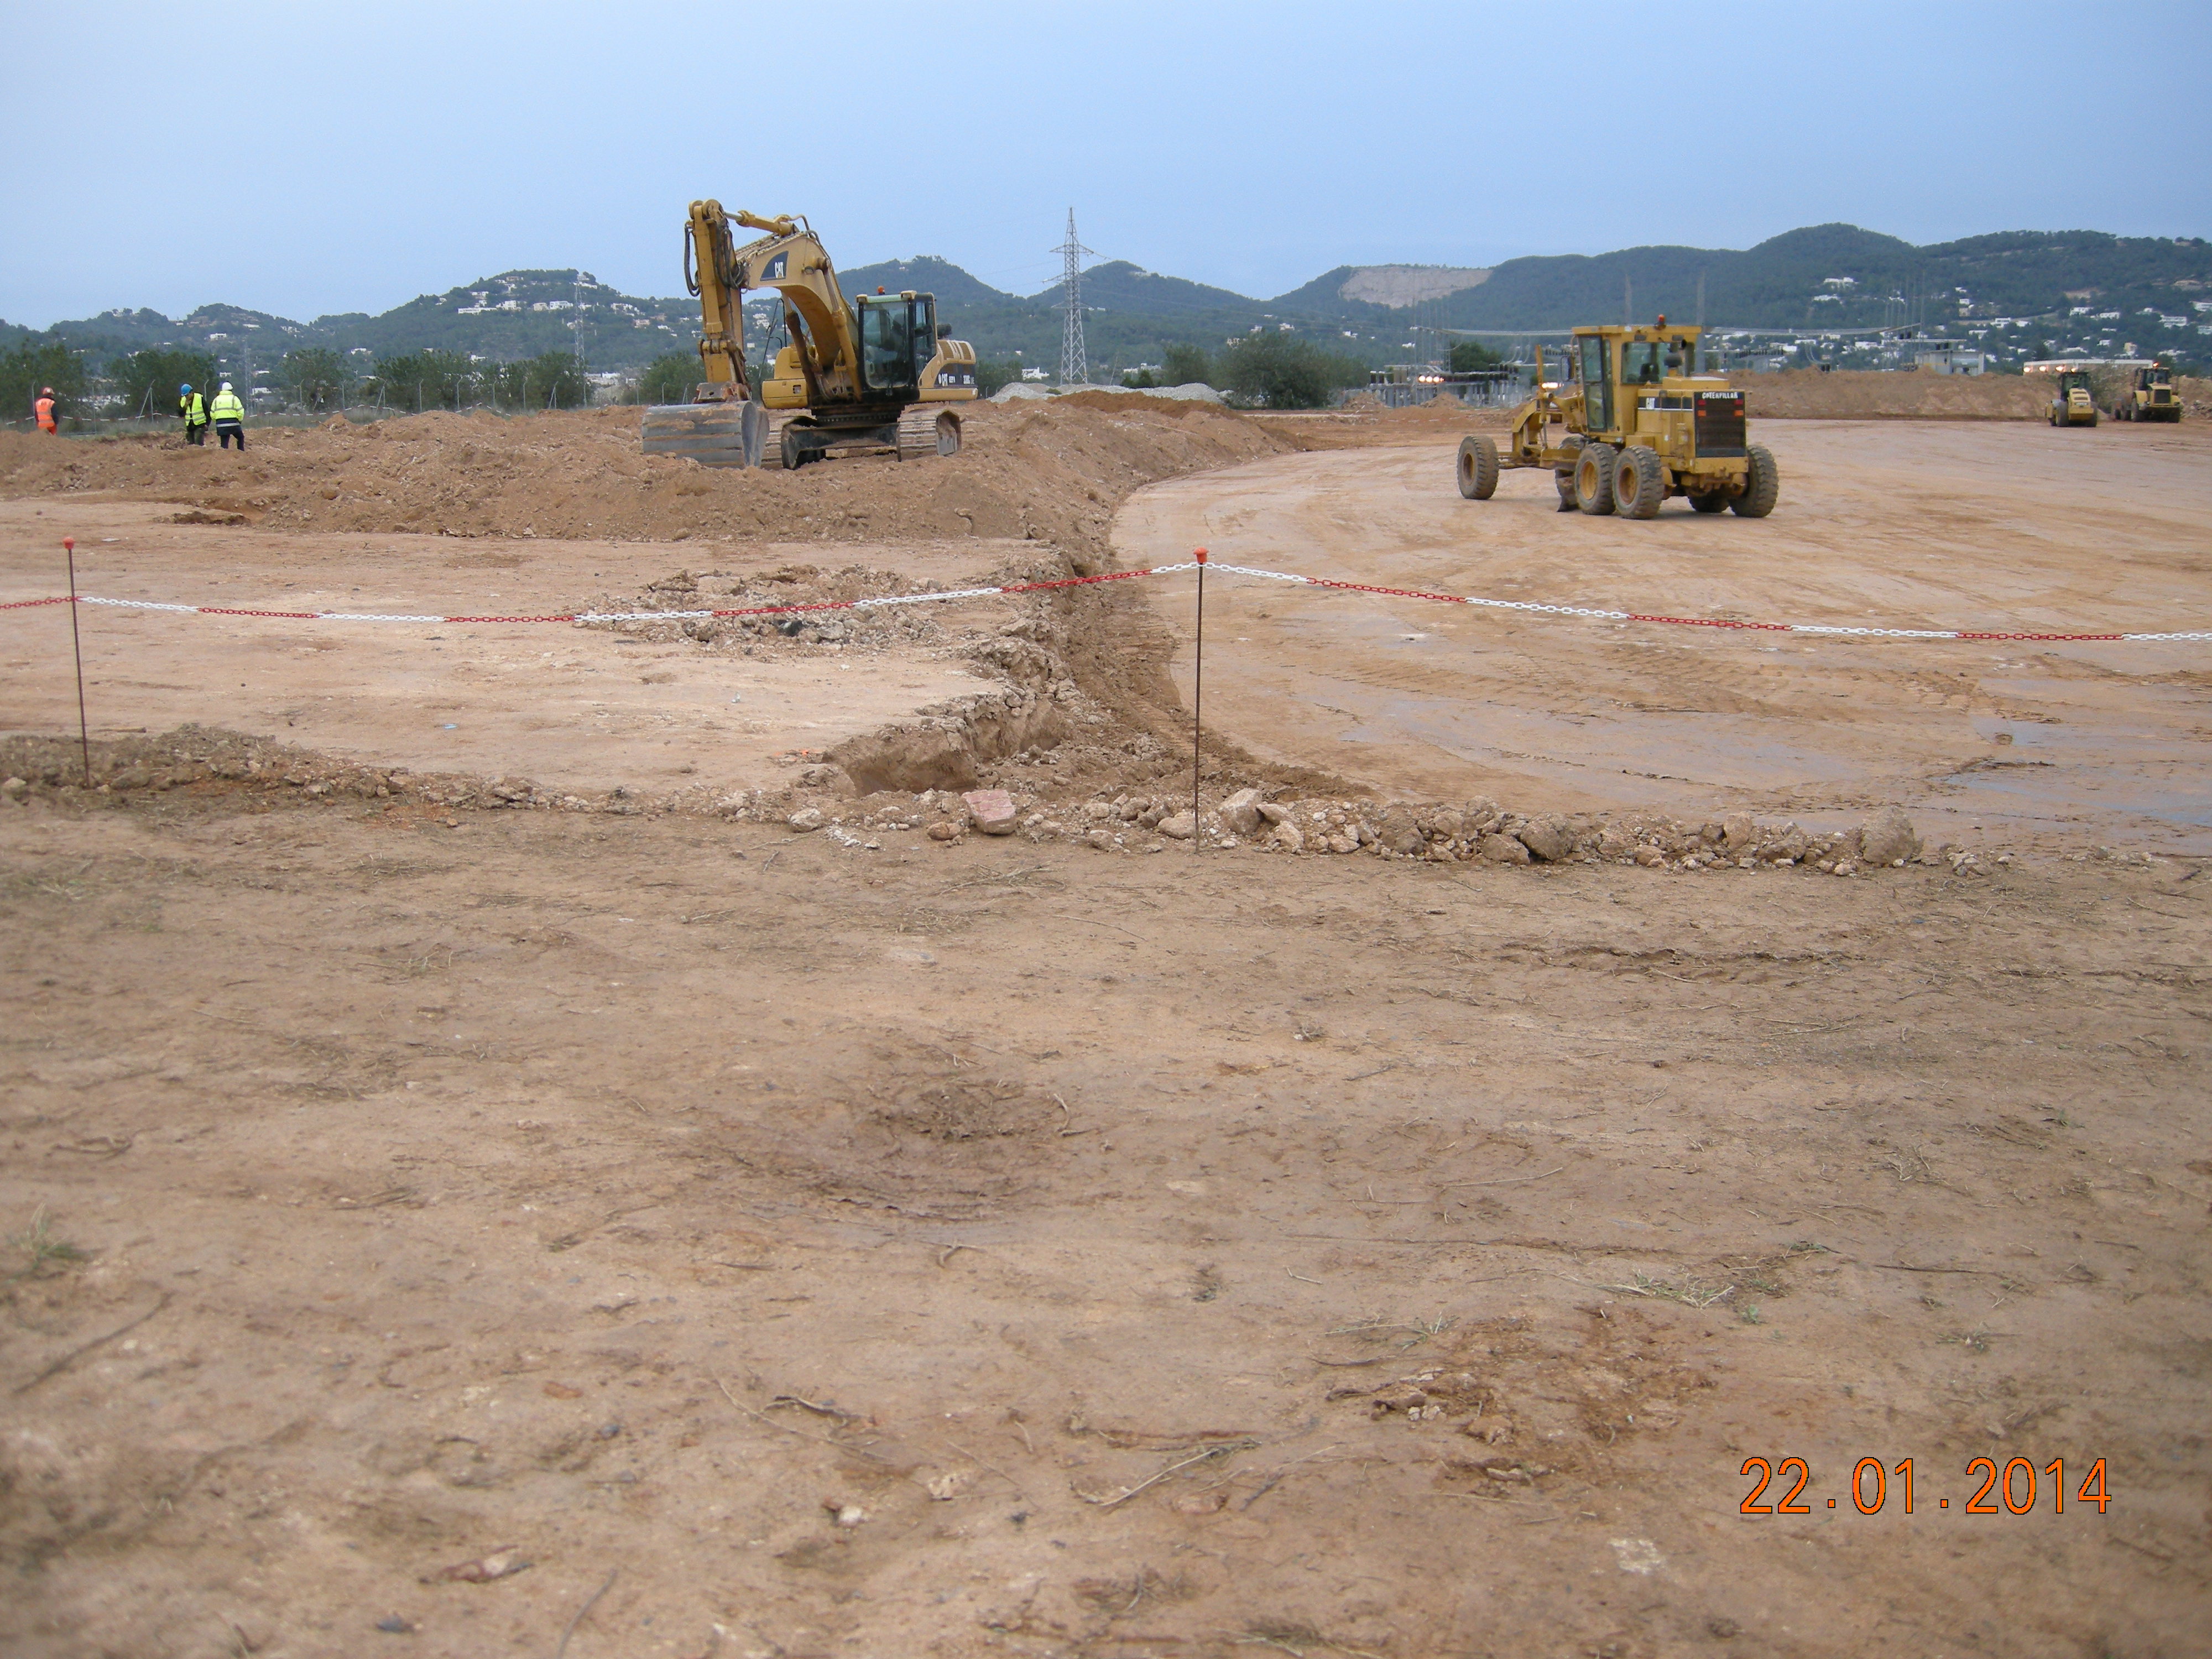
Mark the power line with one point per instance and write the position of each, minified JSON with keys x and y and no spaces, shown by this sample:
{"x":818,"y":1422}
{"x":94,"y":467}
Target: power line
{"x":1074,"y":360}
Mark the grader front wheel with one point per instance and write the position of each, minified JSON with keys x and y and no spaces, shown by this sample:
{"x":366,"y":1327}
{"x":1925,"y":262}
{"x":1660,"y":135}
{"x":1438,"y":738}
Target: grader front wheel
{"x":1594,"y":480}
{"x":1478,"y":468}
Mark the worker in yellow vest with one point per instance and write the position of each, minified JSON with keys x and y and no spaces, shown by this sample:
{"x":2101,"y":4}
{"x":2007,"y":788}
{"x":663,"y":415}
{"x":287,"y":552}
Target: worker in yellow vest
{"x":229,"y":418}
{"x":193,"y":408}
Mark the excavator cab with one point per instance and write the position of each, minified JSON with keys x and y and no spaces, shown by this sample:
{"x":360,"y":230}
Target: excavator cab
{"x":898,"y":337}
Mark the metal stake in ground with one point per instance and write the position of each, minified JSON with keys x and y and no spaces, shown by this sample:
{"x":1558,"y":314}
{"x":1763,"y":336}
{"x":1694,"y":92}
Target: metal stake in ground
{"x":1197,"y":705}
{"x":77,"y":644}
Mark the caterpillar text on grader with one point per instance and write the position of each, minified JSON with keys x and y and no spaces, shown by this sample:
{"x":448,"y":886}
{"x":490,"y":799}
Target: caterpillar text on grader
{"x":1633,"y":424}
{"x":867,"y":375}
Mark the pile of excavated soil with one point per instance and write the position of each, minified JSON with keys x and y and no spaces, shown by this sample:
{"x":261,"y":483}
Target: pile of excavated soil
{"x":1800,"y":394}
{"x":1873,"y":395}
{"x":1364,"y":423}
{"x":1048,"y":472}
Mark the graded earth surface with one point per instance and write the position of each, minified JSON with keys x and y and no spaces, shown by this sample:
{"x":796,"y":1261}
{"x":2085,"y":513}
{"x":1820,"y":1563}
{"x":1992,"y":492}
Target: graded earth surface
{"x":476,"y":1180}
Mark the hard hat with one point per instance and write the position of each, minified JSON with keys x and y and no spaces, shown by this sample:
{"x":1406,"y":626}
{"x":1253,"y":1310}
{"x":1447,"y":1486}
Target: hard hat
{"x":226,"y":385}
{"x":45,"y":392}
{"x":187,"y":386}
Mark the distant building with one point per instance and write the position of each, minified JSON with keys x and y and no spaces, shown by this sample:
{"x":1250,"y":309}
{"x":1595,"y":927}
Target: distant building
{"x":1945,"y":358}
{"x":2052,"y":365}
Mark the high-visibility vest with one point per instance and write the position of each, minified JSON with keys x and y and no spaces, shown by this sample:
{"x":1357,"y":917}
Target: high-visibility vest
{"x":228,"y":407}
{"x":44,"y":408}
{"x":193,"y":408}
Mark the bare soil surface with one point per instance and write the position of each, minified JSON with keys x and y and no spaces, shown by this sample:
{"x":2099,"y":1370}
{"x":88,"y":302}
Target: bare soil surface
{"x":640,"y":1196}
{"x":550,"y":514}
{"x":1930,"y":525}
{"x":574,"y":708}
{"x":500,"y":1189}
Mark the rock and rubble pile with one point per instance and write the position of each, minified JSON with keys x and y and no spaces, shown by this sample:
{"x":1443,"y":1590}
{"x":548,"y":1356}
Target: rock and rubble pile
{"x":821,"y":799}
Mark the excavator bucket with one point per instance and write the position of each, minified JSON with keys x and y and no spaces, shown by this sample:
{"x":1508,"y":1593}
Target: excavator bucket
{"x":711,"y":434}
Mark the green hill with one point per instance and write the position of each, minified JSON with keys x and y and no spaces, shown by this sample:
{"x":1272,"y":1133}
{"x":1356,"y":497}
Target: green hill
{"x":1841,"y":276}
{"x":2024,"y":291}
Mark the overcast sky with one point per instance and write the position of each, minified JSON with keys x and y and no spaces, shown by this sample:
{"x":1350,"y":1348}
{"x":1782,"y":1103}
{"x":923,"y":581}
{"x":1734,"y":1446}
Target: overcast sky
{"x":312,"y":158}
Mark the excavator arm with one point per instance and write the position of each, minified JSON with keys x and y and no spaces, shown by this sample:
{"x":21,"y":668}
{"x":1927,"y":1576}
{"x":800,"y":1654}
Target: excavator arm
{"x":790,"y":258}
{"x":710,"y":271}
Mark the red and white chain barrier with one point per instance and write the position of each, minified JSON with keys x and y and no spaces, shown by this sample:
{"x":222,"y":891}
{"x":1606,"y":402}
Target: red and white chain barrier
{"x":1831,"y":631}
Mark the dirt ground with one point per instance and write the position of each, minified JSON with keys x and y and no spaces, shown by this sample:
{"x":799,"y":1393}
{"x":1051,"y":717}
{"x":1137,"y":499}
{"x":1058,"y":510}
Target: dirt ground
{"x":1919,"y":524}
{"x":806,"y":1244}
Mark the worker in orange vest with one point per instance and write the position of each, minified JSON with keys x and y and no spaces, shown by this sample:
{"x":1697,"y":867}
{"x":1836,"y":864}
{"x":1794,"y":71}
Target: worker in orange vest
{"x":43,"y":407}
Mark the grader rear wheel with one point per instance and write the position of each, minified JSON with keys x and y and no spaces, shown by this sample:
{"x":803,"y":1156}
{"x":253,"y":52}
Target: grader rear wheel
{"x":1640,"y":483}
{"x":1762,"y":483}
{"x":1478,"y":468}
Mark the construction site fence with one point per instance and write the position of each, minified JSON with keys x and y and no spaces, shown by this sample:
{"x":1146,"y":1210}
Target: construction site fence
{"x":1489,"y":394}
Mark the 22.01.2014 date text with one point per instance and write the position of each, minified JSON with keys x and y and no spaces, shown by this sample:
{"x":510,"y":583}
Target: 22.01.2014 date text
{"x":2012,"y":1489}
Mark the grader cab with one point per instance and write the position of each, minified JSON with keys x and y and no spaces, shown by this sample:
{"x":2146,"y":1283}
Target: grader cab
{"x":1631,"y":423}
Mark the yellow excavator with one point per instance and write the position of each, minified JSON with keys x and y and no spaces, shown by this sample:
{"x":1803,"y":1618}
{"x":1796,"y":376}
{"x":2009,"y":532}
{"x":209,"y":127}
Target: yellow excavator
{"x":863,"y":376}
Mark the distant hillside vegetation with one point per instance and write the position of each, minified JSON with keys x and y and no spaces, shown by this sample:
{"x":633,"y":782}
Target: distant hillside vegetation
{"x":2097,"y":293}
{"x":1841,"y":276}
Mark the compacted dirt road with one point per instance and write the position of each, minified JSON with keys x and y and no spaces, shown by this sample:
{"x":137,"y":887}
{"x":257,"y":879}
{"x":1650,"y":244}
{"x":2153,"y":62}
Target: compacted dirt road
{"x":629,"y":1226}
{"x":1910,"y":524}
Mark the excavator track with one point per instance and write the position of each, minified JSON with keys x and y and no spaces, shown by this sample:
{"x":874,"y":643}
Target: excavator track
{"x":712,"y":435}
{"x":928,"y":429}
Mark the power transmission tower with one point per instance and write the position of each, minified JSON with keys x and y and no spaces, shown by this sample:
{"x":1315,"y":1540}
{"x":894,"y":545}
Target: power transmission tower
{"x":1075,"y":362}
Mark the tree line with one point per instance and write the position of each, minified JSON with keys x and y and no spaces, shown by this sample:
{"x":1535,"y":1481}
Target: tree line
{"x":318,"y":380}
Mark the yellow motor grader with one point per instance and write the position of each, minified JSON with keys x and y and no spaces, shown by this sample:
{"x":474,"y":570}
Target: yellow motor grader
{"x":1631,"y":423}
{"x":2150,"y":398}
{"x":863,"y":376}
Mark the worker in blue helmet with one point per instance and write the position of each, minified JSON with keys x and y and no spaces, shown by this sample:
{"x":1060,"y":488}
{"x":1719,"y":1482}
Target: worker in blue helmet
{"x":193,"y":408}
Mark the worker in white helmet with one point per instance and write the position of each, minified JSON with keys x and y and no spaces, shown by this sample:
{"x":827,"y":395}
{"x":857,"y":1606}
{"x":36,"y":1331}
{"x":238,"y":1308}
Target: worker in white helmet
{"x":230,"y":417}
